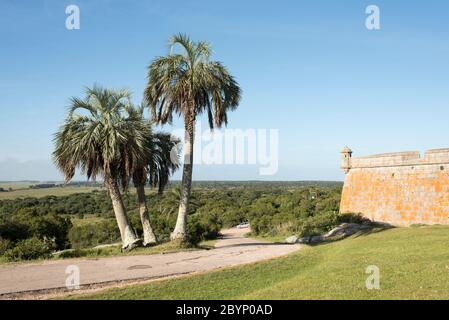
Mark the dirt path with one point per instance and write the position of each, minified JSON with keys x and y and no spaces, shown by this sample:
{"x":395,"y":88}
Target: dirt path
{"x":233,"y":249}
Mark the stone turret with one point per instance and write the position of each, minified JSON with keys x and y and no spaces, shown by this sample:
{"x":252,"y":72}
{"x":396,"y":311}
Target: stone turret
{"x":346,"y":155}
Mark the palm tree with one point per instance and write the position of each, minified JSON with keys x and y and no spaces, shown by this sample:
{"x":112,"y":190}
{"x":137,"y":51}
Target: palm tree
{"x":189,"y":84}
{"x":98,"y":139}
{"x":156,"y":169}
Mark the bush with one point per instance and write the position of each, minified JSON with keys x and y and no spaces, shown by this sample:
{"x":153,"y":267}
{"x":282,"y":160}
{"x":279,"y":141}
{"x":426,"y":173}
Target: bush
{"x":306,"y":211}
{"x":28,"y":223}
{"x":13,"y":231}
{"x":353,"y":218}
{"x":29,"y":249}
{"x":90,"y":235}
{"x":261,"y":225}
{"x":162,"y":227}
{"x":203,"y":228}
{"x":5,"y":245}
{"x":318,"y":224}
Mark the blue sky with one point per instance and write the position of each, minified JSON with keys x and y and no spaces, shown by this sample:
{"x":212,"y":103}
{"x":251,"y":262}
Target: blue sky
{"x":308,"y":68}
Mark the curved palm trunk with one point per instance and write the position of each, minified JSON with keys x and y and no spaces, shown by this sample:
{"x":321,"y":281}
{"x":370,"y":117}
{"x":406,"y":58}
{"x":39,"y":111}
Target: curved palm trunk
{"x":148,"y":235}
{"x":127,"y":234}
{"x":180,"y":232}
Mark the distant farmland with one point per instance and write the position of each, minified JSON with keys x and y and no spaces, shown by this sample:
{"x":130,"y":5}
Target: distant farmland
{"x":16,"y":185}
{"x":25,"y":191}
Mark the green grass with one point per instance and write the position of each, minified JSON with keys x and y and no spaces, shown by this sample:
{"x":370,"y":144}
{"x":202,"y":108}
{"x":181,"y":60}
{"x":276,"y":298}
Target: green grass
{"x":413,"y":263}
{"x":16,"y":185}
{"x":21,"y":190}
{"x":208,"y":244}
{"x":39,"y":193}
{"x":115,"y":250}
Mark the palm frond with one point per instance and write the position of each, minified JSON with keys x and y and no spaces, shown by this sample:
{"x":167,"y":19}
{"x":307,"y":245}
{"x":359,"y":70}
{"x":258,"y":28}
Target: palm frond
{"x":188,"y":84}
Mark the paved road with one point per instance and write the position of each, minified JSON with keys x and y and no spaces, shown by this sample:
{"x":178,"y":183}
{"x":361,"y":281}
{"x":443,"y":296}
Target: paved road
{"x":233,"y":249}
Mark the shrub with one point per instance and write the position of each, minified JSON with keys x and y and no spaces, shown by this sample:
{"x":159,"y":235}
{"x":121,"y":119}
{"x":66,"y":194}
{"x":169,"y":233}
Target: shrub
{"x":13,"y":231}
{"x":261,"y":225}
{"x":29,"y":249}
{"x":318,"y":224}
{"x":306,"y":211}
{"x":353,"y":218}
{"x":213,"y":225}
{"x":5,"y":244}
{"x":162,"y":226}
{"x":229,"y":216}
{"x":203,"y":228}
{"x":94,"y":234}
{"x":44,"y":226}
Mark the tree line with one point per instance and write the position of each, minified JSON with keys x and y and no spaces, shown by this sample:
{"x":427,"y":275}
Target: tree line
{"x":85,"y":220}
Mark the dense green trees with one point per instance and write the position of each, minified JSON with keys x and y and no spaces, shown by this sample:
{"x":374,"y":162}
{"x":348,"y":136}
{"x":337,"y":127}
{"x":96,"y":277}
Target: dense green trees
{"x":271,"y":208}
{"x":90,"y":235}
{"x":29,"y":233}
{"x":306,"y":211}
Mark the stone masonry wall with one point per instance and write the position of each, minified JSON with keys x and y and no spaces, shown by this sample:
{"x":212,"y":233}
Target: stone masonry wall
{"x":398,"y":188}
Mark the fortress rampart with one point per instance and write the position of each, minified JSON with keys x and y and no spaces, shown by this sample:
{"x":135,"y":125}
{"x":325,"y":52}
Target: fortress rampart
{"x":398,"y":188}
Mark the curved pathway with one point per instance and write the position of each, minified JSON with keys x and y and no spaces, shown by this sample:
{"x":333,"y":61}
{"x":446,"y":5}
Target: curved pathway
{"x":232,"y":249}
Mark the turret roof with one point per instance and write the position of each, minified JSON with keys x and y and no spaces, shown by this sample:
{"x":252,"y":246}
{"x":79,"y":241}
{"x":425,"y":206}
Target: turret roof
{"x":346,"y":150}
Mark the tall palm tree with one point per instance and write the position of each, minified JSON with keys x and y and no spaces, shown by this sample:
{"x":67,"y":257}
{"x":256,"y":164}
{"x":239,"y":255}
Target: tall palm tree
{"x":156,"y":169}
{"x":189,"y":84}
{"x":98,"y":139}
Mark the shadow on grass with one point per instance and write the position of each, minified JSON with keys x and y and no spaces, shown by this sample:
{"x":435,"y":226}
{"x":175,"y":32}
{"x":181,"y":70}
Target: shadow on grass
{"x":362,"y":233}
{"x":116,"y":251}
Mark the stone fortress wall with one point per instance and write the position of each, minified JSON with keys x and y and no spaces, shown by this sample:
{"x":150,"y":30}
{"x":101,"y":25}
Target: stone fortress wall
{"x":398,"y":188}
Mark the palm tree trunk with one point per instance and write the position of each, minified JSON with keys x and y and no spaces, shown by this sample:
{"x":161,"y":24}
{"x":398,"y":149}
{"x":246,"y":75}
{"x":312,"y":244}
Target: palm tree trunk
{"x":180,"y":231}
{"x":127,"y":234}
{"x":148,"y":235}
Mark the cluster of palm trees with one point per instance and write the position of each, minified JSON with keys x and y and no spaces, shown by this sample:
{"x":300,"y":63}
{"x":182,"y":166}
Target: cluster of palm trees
{"x":105,"y":135}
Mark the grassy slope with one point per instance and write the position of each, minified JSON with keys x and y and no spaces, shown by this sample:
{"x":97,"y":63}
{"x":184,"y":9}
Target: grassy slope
{"x":413,"y":262}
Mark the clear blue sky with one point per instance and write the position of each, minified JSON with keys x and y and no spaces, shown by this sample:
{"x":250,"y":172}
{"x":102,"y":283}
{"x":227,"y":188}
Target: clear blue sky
{"x":308,"y":68}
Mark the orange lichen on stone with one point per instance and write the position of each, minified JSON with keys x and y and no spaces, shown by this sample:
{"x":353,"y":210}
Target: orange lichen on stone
{"x":398,"y":188}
